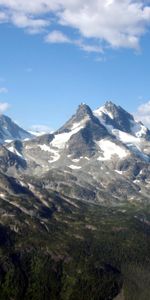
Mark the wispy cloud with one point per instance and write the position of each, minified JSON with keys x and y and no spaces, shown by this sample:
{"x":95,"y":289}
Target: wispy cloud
{"x":143,"y":113}
{"x":3,"y":107}
{"x":41,"y":128}
{"x":88,"y":47}
{"x":31,"y":24}
{"x":3,"y":90}
{"x":59,"y":37}
{"x":112,"y":23}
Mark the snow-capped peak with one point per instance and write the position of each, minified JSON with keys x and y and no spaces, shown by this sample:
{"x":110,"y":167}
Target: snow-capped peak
{"x":11,"y":131}
{"x":115,"y":117}
{"x":82,"y":115}
{"x":103,"y":110}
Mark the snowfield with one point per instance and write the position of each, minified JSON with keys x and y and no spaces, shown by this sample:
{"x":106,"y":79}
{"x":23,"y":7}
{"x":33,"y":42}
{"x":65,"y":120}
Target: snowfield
{"x":109,"y":149}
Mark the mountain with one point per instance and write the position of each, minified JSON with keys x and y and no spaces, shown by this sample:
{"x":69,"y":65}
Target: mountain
{"x":11,"y":131}
{"x":116,"y":118}
{"x":95,"y":156}
{"x":75,"y":210}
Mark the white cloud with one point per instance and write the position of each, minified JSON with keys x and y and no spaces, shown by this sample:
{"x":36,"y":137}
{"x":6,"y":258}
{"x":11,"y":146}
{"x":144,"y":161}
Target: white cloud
{"x":143,"y":113}
{"x":57,"y":37}
{"x":88,"y":47}
{"x":3,"y":107}
{"x":27,"y":22}
{"x":3,"y":17}
{"x":3,"y":90}
{"x":41,"y":128}
{"x":117,"y":23}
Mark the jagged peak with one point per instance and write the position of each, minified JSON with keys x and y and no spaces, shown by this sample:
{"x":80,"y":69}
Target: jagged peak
{"x":118,"y":118}
{"x":109,"y":103}
{"x":83,"y":110}
{"x":113,"y":111}
{"x":117,"y":110}
{"x":82,"y":114}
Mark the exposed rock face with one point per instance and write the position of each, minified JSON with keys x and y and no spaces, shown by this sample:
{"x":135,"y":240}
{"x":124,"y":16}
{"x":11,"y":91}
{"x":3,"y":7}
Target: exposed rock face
{"x":11,"y":131}
{"x":121,"y":119}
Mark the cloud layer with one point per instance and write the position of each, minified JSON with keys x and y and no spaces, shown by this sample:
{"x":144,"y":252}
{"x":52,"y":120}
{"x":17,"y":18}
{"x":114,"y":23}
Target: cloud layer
{"x":104,"y":23}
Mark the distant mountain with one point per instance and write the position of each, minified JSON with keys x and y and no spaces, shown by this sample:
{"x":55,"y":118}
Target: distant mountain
{"x":11,"y":131}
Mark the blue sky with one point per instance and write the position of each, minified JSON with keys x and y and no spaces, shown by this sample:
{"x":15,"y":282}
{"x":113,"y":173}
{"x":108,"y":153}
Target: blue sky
{"x":51,"y":60}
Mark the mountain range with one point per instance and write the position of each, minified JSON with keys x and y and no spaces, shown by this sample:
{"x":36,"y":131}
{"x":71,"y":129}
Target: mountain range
{"x":94,"y":154}
{"x":64,"y":195}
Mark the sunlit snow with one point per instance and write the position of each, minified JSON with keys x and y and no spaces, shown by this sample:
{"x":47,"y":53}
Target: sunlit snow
{"x":55,"y":153}
{"x":12,"y":149}
{"x":99,"y":112}
{"x":109,"y":148}
{"x":61,"y":139}
{"x":74,"y":167}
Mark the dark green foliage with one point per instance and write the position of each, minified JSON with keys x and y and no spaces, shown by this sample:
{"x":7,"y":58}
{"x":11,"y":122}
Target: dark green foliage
{"x":86,"y":253}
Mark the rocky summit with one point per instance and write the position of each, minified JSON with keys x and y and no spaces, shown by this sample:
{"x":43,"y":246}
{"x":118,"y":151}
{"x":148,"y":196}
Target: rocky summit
{"x":74,"y":208}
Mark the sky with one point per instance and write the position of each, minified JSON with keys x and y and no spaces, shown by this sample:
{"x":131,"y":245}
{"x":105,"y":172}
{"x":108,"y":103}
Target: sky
{"x":55,"y":54}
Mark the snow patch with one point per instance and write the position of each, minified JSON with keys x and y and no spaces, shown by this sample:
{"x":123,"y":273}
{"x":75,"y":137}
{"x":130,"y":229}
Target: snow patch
{"x":13,"y":150}
{"x":28,"y":147}
{"x":61,"y":139}
{"x":87,"y":158}
{"x":45,"y":148}
{"x":55,"y":158}
{"x":138,"y":129}
{"x":109,"y":149}
{"x":126,"y":137}
{"x":133,"y":141}
{"x":74,"y":167}
{"x":8,"y":141}
{"x":136,"y":181}
{"x":52,"y":151}
{"x":81,"y":123}
{"x":102,"y":110}
{"x":76,"y":160}
{"x":2,"y":195}
{"x":119,"y":172}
